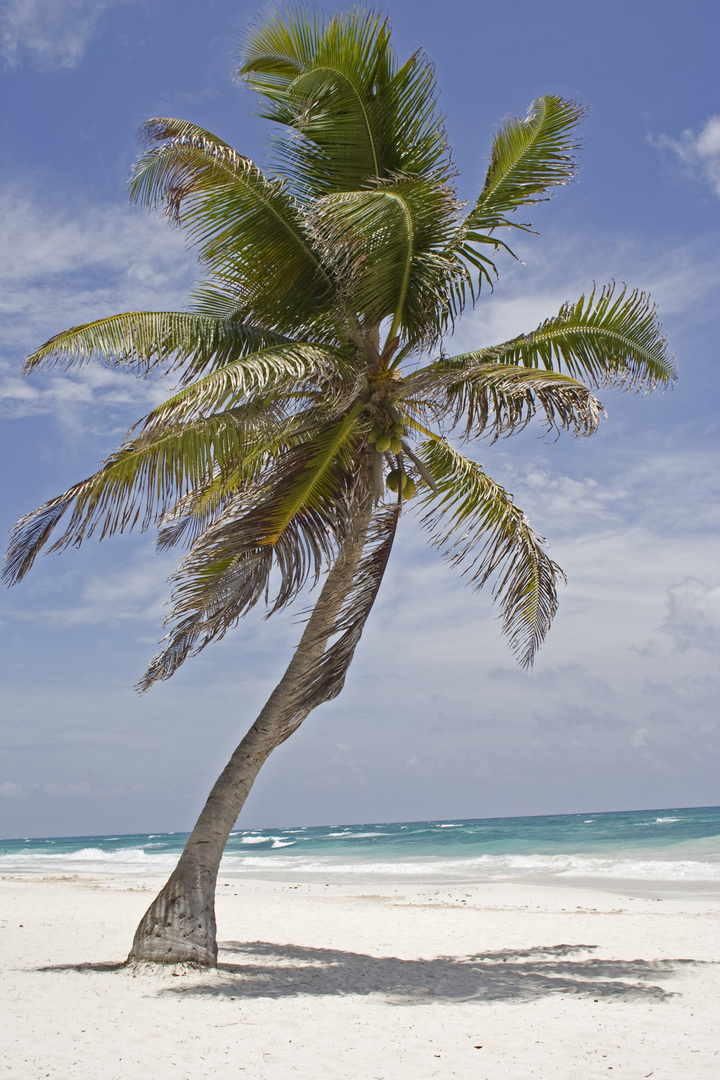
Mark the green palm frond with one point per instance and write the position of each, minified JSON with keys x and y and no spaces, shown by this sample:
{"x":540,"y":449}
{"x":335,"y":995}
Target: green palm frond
{"x":606,"y":340}
{"x":316,"y":484}
{"x":497,"y":399}
{"x":247,"y":227}
{"x":294,"y":521}
{"x":387,"y":247}
{"x":336,"y":83}
{"x":278,"y":431}
{"x":477,"y":527}
{"x":266,"y":375}
{"x":528,"y":158}
{"x":146,"y":477}
{"x":143,"y":340}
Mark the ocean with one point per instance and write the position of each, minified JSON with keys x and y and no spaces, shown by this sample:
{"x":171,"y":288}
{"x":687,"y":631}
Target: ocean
{"x":676,"y":848}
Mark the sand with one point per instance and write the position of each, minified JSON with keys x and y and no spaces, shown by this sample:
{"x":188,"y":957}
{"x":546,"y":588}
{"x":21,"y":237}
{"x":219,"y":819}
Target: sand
{"x":371,"y":982}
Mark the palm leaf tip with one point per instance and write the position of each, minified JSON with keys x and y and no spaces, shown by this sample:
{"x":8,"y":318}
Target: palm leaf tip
{"x":613,"y":338}
{"x":28,"y":536}
{"x":529,"y":157}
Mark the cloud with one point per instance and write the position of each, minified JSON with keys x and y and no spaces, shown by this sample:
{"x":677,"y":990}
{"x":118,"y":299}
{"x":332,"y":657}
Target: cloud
{"x":52,"y":35}
{"x":682,"y":280}
{"x":136,"y":592}
{"x":700,"y":152}
{"x":639,"y":737}
{"x":693,"y":615}
{"x":61,"y":269}
{"x":10,"y":790}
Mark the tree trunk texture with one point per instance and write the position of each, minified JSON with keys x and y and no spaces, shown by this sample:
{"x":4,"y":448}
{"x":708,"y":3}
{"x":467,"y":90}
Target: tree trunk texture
{"x":179,"y":926}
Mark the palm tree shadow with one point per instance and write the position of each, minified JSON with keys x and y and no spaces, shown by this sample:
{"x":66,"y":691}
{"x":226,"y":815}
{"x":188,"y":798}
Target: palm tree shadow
{"x":267,"y":969}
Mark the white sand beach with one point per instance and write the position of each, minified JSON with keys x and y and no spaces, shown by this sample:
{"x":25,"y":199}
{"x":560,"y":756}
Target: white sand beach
{"x":490,"y":982}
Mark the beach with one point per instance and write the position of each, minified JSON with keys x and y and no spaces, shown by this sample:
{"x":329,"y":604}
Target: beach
{"x":368,"y":980}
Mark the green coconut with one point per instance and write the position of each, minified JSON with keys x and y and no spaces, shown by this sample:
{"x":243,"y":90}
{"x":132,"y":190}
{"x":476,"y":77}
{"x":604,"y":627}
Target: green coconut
{"x":393,"y":480}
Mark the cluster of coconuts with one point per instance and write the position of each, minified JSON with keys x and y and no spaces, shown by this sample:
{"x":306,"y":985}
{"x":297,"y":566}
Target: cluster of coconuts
{"x":384,"y":442}
{"x":388,"y":442}
{"x":397,"y":477}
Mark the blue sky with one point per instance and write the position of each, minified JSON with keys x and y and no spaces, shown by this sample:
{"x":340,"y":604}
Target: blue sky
{"x":620,"y":710}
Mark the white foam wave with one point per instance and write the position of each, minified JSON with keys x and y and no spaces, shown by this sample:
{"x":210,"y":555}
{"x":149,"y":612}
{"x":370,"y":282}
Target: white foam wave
{"x":630,"y":866}
{"x":274,"y":841}
{"x":484,"y":868}
{"x":90,"y":860}
{"x":349,"y":835}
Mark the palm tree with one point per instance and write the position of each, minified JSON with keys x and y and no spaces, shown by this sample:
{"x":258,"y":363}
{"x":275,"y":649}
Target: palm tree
{"x":313,"y":384}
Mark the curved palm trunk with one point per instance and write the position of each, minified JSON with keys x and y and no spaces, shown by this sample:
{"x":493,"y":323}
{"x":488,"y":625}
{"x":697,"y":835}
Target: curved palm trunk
{"x":179,"y":926}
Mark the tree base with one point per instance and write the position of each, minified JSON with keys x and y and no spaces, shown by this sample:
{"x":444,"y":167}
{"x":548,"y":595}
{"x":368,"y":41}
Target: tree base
{"x":179,"y":926}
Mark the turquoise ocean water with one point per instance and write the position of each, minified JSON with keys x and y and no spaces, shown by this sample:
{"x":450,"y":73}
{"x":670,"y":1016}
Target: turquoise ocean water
{"x":677,"y":847}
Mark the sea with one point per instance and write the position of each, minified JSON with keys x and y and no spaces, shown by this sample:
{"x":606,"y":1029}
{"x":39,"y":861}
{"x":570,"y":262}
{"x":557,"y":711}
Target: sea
{"x":676,"y":851}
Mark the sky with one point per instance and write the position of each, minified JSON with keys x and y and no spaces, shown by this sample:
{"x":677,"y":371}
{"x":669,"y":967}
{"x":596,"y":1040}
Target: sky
{"x":436,"y":721}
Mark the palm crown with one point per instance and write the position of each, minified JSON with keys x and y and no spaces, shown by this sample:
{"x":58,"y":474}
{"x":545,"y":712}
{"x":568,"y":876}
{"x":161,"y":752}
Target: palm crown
{"x":312,"y":380}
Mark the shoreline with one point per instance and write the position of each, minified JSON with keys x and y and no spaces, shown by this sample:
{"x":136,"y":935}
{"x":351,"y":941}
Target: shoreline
{"x":397,"y":981}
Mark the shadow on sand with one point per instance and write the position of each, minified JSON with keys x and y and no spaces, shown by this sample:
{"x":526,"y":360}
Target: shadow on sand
{"x":266,"y":969}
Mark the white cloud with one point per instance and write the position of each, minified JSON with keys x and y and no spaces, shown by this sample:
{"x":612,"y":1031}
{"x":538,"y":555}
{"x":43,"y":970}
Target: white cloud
{"x":700,"y":152}
{"x":136,"y":592}
{"x":91,"y":401}
{"x":60,"y":270}
{"x":52,"y":34}
{"x":10,"y":790}
{"x":693,"y":615}
{"x":682,"y":281}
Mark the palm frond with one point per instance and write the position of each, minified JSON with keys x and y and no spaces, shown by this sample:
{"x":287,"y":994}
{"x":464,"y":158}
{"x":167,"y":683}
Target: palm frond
{"x":247,"y":227}
{"x":327,"y":678}
{"x":608,"y":340}
{"x":143,"y":340}
{"x":293,"y":520}
{"x":265,"y":375}
{"x":477,"y":527}
{"x":144,"y":478}
{"x":203,"y":506}
{"x":386,"y":246}
{"x":497,"y":399}
{"x":355,"y":116}
{"x":528,"y":158}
